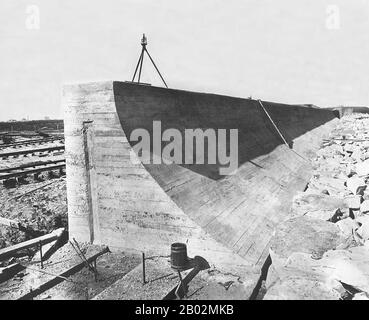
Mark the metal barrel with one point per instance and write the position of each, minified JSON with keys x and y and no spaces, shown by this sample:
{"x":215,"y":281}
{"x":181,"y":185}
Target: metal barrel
{"x":178,"y":255}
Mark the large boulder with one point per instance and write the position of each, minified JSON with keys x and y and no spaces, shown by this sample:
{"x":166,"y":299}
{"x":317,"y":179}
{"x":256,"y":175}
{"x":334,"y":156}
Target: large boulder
{"x":299,"y":284}
{"x":364,"y":207}
{"x":349,"y":266}
{"x":333,"y":185}
{"x":348,"y":226}
{"x":353,"y":202}
{"x":357,"y":155}
{"x":362,"y":168}
{"x":363,"y":231}
{"x":307,"y":235}
{"x":348,"y":147}
{"x":319,"y":206}
{"x":303,"y":277}
{"x":356,"y":185}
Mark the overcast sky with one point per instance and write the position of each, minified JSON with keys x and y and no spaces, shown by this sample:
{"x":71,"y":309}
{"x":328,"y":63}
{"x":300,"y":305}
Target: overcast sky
{"x":293,"y":51}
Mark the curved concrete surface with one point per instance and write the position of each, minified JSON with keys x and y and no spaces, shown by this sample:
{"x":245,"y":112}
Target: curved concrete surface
{"x":228,"y":219}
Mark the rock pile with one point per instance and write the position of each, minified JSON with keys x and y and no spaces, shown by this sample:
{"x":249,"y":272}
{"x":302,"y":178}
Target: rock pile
{"x":322,"y":250}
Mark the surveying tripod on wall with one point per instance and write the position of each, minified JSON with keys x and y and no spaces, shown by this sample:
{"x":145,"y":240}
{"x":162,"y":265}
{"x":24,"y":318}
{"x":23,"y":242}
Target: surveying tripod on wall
{"x":140,"y":61}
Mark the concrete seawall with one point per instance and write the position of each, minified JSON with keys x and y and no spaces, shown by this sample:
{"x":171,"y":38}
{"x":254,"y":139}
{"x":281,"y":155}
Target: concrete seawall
{"x":225,"y":219}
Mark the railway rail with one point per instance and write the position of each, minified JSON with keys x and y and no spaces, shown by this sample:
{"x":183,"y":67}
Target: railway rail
{"x":31,"y":165}
{"x":15,"y":154}
{"x":23,"y":171}
{"x":36,"y":171}
{"x":30,"y":142}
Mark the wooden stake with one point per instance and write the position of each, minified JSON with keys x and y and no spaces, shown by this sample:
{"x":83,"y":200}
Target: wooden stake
{"x":143,"y":268}
{"x":41,"y":258}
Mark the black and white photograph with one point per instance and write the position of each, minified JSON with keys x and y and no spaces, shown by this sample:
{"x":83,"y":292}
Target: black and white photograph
{"x":184,"y":157}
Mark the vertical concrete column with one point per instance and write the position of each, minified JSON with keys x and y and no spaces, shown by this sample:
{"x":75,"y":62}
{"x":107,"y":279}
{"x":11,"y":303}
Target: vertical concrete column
{"x":80,"y":103}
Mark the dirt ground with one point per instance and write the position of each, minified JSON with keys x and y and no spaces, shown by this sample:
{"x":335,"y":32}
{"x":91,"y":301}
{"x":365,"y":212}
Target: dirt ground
{"x":43,"y":210}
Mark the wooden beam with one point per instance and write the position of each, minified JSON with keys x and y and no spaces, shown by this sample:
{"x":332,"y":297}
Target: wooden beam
{"x":50,"y":248}
{"x":8,"y":252}
{"x":9,"y":223}
{"x":61,"y":277}
{"x":9,"y":271}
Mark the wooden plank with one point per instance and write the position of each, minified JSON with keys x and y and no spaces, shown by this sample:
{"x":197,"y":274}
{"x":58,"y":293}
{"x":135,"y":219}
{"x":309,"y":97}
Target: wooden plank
{"x":9,"y":271}
{"x":9,"y":223}
{"x":61,"y":277}
{"x":50,"y":248}
{"x":6,"y":253}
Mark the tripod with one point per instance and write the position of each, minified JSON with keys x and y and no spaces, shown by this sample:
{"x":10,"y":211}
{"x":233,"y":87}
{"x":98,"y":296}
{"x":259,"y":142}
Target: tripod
{"x":140,"y":61}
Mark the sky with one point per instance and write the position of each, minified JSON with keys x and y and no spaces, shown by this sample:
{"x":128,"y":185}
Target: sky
{"x":291,"y":51}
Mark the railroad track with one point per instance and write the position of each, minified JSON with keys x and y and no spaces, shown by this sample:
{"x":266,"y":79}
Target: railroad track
{"x":31,"y":142}
{"x":16,"y":154}
{"x":31,"y":165}
{"x":20,"y":172}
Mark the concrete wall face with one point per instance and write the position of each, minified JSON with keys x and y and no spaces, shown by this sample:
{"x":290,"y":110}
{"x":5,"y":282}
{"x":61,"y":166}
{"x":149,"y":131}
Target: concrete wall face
{"x":110,"y":199}
{"x":83,"y":105}
{"x":115,"y":201}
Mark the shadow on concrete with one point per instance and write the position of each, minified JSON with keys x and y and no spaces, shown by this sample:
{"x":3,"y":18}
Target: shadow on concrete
{"x":138,"y":106}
